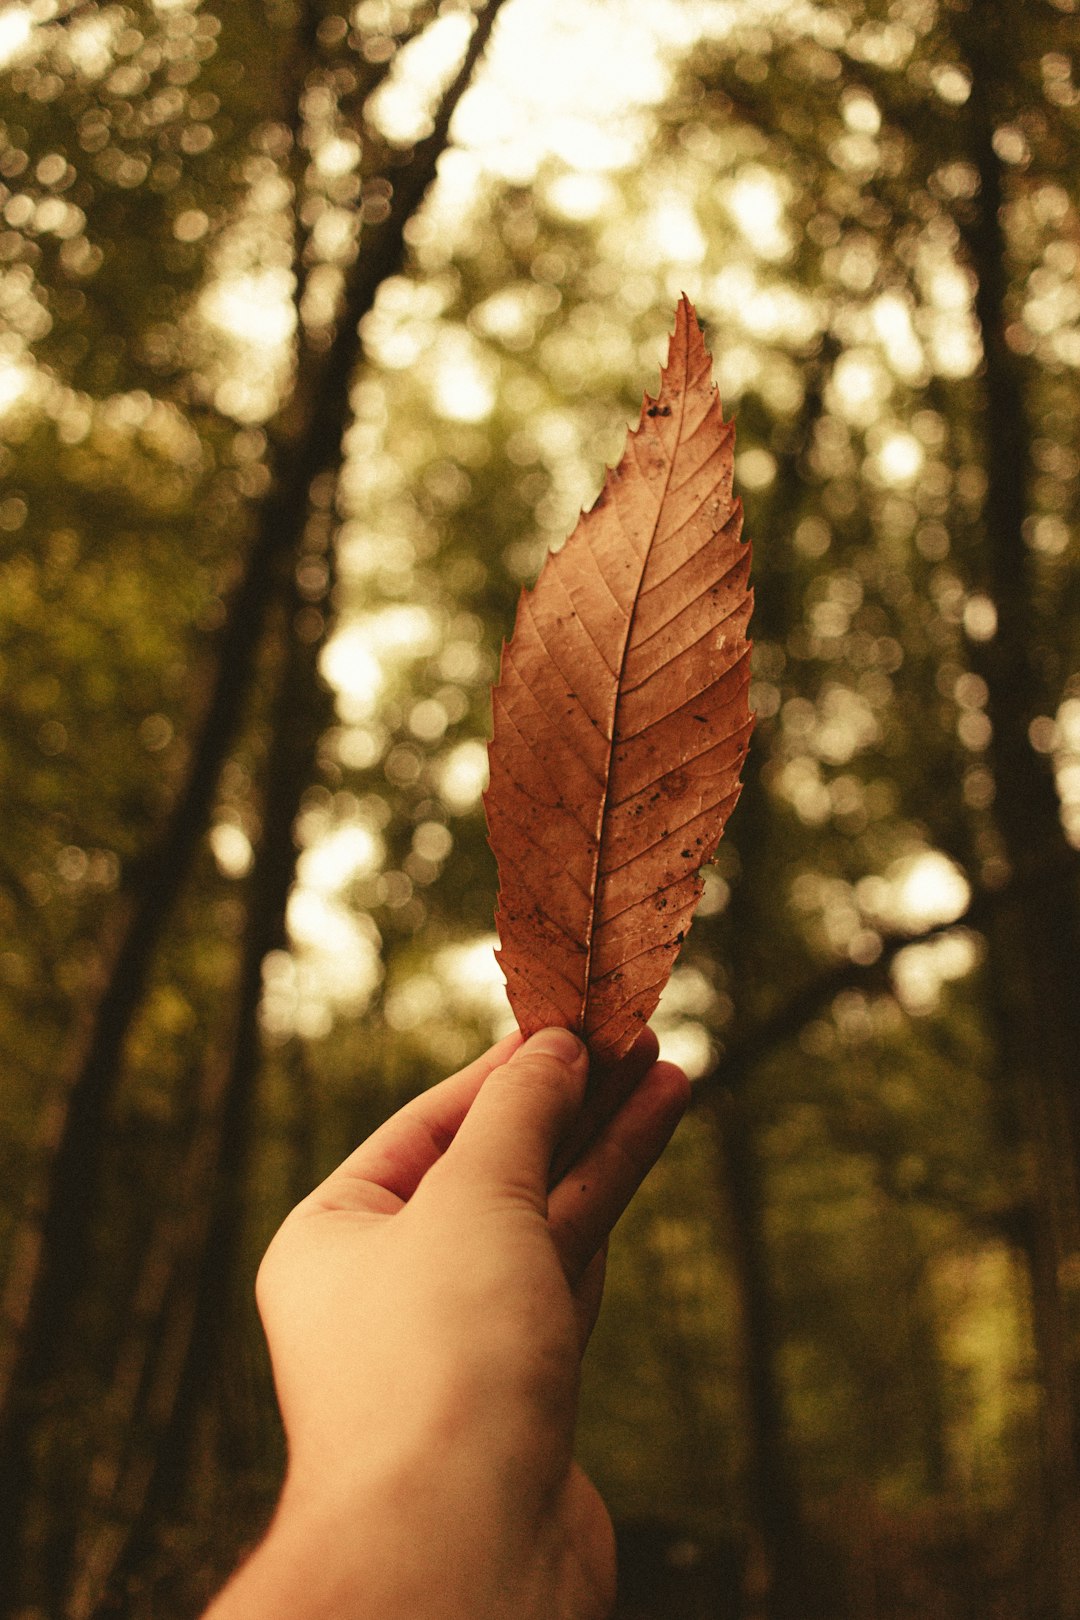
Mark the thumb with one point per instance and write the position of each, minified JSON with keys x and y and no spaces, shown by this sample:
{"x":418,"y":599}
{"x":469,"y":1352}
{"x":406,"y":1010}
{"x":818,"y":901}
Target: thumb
{"x":506,"y":1142}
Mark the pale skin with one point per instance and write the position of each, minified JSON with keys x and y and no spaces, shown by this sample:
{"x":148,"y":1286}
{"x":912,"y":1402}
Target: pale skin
{"x":427,"y":1308}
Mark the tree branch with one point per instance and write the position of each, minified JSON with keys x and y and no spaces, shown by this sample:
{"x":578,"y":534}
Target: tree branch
{"x":759,"y":1042}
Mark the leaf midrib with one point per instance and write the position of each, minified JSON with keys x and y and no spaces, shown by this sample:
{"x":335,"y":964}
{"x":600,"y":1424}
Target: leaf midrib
{"x":602,"y":819}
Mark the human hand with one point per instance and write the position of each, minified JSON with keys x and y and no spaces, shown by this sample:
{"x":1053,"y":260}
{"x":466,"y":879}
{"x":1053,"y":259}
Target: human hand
{"x":427,"y":1308}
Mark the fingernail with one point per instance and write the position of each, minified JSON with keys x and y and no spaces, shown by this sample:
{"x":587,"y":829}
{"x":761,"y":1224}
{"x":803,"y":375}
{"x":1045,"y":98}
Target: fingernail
{"x":557,"y":1043}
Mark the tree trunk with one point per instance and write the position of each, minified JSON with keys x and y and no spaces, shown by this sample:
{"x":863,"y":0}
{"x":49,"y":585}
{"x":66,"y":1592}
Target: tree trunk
{"x":1037,"y":942}
{"x":774,"y":1507}
{"x":772,"y":1487}
{"x":201,"y":1309}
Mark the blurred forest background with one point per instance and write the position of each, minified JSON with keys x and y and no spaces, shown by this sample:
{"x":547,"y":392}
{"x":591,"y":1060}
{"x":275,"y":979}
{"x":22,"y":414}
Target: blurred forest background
{"x":317,"y":327}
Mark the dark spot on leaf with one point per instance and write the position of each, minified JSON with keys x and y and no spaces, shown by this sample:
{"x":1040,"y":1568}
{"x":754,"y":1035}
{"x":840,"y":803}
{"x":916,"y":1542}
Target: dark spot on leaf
{"x":680,"y":936}
{"x":686,"y":854}
{"x":658,"y":410}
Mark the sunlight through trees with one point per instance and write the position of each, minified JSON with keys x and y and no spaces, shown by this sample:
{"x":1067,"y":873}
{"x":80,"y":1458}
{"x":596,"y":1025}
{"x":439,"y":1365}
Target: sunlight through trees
{"x":318,"y":325}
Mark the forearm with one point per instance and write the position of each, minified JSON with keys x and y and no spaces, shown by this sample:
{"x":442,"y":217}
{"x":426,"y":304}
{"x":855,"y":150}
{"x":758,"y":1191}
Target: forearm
{"x":301,"y":1571}
{"x":394,"y":1552}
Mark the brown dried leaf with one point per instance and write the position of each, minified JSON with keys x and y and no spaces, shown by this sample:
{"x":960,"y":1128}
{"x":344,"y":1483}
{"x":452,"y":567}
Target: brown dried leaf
{"x":621,"y":721}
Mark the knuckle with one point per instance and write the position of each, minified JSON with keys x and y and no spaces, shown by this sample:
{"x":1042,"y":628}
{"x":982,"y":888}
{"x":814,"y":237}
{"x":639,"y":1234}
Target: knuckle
{"x":540,"y":1072}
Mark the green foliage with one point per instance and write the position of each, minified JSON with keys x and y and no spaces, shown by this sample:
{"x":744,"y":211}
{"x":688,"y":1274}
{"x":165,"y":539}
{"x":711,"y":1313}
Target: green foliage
{"x":873,"y":1188}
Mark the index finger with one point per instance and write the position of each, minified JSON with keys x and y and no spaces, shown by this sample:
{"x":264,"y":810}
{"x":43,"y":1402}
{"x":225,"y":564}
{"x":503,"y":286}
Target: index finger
{"x":586,"y":1203}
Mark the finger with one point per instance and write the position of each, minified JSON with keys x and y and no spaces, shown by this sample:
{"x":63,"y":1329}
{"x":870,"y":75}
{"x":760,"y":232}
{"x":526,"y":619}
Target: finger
{"x":394,"y":1159}
{"x":589,"y":1294}
{"x":505,"y":1144}
{"x":588,"y":1201}
{"x":608,"y":1087}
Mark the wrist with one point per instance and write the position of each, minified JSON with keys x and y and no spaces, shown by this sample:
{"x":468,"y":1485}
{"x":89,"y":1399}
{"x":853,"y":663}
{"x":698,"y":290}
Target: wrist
{"x":396,"y":1543}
